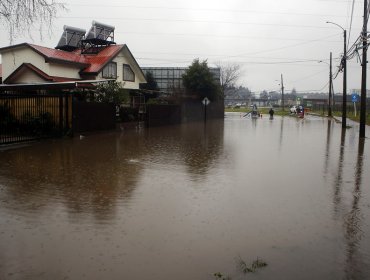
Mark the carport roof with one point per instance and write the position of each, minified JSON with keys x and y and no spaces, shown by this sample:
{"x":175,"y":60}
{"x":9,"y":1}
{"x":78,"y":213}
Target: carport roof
{"x":55,"y":85}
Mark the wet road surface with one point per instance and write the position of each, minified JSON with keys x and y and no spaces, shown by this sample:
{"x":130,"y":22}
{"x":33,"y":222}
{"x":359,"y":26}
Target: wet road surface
{"x":185,"y":202}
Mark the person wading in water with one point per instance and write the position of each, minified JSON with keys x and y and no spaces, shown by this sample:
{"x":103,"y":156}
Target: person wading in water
{"x":271,"y":112}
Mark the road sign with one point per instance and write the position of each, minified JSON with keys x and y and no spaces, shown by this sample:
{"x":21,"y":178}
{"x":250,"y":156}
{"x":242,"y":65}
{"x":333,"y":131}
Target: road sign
{"x":354,"y":97}
{"x":206,"y":101}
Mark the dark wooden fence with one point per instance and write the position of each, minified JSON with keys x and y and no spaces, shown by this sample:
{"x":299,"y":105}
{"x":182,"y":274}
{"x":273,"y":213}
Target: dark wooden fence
{"x":159,"y":115}
{"x":32,"y":116}
{"x":91,"y":116}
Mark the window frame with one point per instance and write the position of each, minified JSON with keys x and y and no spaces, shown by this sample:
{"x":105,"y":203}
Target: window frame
{"x":106,"y":67}
{"x":123,"y":73}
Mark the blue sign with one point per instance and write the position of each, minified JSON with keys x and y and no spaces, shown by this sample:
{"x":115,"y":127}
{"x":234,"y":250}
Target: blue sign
{"x":354,"y":97}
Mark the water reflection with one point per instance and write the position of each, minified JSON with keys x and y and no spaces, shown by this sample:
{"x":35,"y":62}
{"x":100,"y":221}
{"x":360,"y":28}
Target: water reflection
{"x":327,"y":149}
{"x":181,"y":202}
{"x":281,"y":133}
{"x":339,"y":178}
{"x":92,"y":174}
{"x":86,"y":176}
{"x":353,"y":222}
{"x":202,"y":150}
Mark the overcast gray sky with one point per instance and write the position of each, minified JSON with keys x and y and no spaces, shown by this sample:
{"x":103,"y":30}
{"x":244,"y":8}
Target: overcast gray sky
{"x":266,"y":37}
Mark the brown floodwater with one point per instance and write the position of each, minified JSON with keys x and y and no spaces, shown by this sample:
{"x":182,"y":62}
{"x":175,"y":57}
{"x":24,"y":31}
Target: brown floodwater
{"x":185,"y":202}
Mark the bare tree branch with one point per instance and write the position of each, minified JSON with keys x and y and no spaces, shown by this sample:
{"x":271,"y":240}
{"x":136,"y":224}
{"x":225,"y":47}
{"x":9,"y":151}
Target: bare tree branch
{"x":21,"y":16}
{"x":229,"y":74}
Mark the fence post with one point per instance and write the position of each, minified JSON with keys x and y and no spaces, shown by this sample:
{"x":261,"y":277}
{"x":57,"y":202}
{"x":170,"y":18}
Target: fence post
{"x":60,"y":114}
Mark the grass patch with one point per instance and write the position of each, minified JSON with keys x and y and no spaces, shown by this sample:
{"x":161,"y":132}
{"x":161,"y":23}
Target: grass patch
{"x":243,"y":267}
{"x":220,"y":276}
{"x":263,"y":111}
{"x":256,"y":264}
{"x":350,"y":115}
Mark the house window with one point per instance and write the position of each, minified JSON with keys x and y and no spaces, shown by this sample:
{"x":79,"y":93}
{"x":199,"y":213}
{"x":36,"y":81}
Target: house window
{"x":110,"y":70}
{"x":128,"y":74}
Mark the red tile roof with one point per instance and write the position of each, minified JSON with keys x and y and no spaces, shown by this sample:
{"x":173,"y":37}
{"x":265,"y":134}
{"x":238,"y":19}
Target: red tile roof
{"x":92,"y":63}
{"x":98,"y":61}
{"x":58,"y":55}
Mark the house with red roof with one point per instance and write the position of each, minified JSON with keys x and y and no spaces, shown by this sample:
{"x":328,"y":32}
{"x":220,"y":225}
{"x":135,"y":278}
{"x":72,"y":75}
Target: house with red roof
{"x":77,"y":57}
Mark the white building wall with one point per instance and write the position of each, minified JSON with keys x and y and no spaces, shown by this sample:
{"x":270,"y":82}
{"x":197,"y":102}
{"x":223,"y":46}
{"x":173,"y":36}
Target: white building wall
{"x":61,"y":70}
{"x":11,"y":60}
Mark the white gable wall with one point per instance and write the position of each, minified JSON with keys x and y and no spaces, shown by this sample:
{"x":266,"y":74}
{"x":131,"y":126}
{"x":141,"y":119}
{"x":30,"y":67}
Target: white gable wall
{"x":12,"y":59}
{"x":28,"y":77}
{"x":124,"y":57}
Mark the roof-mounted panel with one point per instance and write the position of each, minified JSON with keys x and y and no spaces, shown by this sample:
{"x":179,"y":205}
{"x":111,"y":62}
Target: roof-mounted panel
{"x":99,"y":36}
{"x":101,"y":32}
{"x":71,"y":38}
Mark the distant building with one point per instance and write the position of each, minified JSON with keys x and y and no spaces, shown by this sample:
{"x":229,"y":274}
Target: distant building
{"x":169,"y":79}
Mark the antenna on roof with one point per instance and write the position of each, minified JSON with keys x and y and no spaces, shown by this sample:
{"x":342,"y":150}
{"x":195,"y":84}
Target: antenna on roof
{"x":99,"y":36}
{"x":71,"y":38}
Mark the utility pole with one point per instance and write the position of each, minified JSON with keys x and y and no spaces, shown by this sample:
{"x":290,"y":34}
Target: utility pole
{"x":282,"y":92}
{"x":344,"y":63}
{"x":363,"y":80}
{"x":330,"y":87}
{"x":344,"y":99}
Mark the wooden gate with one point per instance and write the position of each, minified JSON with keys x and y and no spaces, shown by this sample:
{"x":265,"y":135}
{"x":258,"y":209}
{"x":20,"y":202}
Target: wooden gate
{"x":31,"y":116}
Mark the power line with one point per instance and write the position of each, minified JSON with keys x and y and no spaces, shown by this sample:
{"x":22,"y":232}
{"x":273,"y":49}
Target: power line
{"x":350,"y":26}
{"x":282,"y":59}
{"x":221,"y":36}
{"x":204,"y":9}
{"x":310,"y":90}
{"x":285,"y":47}
{"x":307,"y":77}
{"x":272,"y":50}
{"x":202,"y":21}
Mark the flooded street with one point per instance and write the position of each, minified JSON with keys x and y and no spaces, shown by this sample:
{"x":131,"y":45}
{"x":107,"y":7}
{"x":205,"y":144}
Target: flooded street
{"x":185,"y":202}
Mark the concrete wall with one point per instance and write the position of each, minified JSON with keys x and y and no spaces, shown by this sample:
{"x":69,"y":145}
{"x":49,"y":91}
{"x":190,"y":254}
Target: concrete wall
{"x":159,"y":115}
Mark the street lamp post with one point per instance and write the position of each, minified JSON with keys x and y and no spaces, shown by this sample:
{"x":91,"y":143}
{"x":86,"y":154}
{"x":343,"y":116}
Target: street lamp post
{"x":344,"y":61}
{"x":330,"y":86}
{"x":282,"y":91}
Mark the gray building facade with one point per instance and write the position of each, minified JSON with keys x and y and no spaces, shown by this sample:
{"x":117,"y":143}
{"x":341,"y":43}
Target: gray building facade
{"x":169,"y":79}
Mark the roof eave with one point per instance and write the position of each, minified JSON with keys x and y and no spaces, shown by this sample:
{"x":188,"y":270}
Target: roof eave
{"x":8,"y":48}
{"x":62,"y":61}
{"x":137,"y":64}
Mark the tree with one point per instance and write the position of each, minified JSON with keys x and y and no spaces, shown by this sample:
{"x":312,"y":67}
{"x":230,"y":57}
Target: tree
{"x":198,"y":80}
{"x":264,"y":95}
{"x":111,"y":92}
{"x":20,"y":16}
{"x":229,"y":74}
{"x":151,"y":83}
